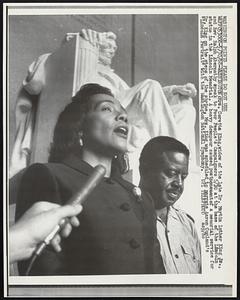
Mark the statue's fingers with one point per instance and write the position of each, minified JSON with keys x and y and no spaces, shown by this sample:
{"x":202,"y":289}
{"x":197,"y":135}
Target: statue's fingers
{"x":95,"y":38}
{"x":192,"y":90}
{"x":84,"y":34}
{"x":182,"y":90}
{"x":100,"y":37}
{"x":111,"y":35}
{"x":91,"y":36}
{"x":185,"y":92}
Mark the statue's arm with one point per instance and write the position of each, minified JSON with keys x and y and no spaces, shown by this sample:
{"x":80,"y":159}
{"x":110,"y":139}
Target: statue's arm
{"x":176,"y":94}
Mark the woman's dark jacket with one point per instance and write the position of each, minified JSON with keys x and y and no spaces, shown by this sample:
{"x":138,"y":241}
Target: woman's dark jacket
{"x":117,"y":232}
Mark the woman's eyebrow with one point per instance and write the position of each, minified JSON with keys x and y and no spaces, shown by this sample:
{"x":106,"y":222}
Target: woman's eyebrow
{"x":103,"y":101}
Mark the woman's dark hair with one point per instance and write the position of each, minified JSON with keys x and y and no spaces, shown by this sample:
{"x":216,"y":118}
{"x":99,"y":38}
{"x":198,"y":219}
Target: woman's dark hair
{"x":70,"y":121}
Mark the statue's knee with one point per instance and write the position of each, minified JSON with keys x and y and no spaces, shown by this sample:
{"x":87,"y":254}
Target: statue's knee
{"x":152,"y":83}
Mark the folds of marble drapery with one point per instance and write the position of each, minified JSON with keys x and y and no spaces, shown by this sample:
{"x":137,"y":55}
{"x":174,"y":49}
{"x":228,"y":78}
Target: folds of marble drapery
{"x":24,"y":114}
{"x":153,"y":110}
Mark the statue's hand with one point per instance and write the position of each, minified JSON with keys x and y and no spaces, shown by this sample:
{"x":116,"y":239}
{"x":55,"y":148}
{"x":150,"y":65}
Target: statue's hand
{"x":91,"y":35}
{"x":187,"y":90}
{"x":97,"y":38}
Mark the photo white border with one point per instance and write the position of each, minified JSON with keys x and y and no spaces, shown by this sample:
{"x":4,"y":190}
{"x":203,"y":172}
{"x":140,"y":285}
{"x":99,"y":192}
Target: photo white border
{"x":229,"y":9}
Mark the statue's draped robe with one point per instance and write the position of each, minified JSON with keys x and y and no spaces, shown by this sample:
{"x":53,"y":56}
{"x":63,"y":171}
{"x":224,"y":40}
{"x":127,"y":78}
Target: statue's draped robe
{"x":147,"y":104}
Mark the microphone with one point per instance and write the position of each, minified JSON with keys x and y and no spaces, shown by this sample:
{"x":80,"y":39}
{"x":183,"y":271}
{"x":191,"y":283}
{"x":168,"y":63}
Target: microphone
{"x":95,"y":178}
{"x":78,"y":198}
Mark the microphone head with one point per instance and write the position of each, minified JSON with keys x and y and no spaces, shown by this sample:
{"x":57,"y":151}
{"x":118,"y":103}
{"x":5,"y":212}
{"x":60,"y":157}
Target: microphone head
{"x":93,"y":180}
{"x":100,"y":169}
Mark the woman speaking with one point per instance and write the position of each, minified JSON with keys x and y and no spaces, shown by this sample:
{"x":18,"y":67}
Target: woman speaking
{"x":117,"y":233}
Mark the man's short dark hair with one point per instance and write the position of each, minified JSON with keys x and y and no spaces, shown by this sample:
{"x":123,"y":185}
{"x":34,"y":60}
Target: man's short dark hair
{"x":152,"y":152}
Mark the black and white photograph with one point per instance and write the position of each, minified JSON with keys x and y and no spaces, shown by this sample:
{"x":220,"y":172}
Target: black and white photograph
{"x":119,"y":123}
